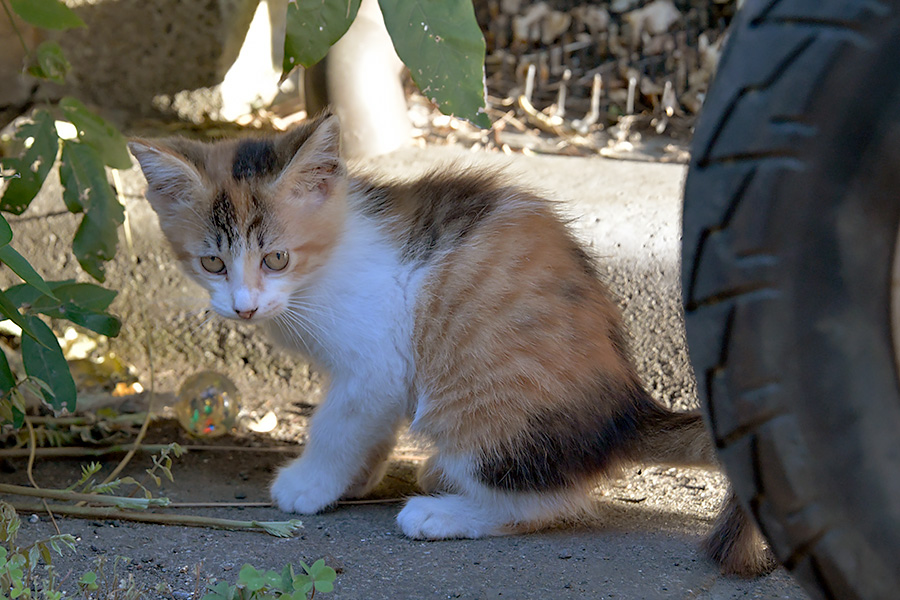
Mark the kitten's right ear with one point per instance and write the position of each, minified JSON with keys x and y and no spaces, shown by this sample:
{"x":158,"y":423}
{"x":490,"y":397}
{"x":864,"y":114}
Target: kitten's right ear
{"x":171,"y":178}
{"x":316,"y":168}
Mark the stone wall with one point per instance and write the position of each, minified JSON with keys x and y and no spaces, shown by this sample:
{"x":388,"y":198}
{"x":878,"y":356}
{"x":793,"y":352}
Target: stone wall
{"x":134,"y":51}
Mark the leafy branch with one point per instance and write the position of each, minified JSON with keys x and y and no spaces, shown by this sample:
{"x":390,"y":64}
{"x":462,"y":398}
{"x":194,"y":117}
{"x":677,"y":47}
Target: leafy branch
{"x":83,"y":158}
{"x":440,"y":43}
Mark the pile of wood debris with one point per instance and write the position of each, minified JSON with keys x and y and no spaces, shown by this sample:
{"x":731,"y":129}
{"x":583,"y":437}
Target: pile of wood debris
{"x":616,"y":77}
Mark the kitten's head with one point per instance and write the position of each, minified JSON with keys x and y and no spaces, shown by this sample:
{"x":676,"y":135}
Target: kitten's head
{"x":251,"y":220}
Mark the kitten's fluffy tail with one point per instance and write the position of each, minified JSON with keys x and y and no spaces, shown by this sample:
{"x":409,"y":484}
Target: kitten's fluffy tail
{"x":681,"y":439}
{"x":674,"y":438}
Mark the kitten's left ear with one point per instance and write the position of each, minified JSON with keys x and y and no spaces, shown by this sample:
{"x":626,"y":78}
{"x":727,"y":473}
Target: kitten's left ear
{"x":317,"y":169}
{"x":171,"y":178}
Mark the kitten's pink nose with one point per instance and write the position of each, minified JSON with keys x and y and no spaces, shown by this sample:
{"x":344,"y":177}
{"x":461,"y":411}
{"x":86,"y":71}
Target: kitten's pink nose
{"x":246,"y":314}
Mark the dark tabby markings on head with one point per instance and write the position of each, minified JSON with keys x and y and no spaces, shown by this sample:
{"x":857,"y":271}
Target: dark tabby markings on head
{"x":253,"y":158}
{"x":557,"y":449}
{"x":224,"y":219}
{"x":256,"y":224}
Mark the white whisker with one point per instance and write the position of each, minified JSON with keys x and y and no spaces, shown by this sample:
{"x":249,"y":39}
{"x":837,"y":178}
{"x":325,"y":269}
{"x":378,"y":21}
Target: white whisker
{"x":296,"y":320}
{"x":290,"y":328}
{"x":316,"y":309}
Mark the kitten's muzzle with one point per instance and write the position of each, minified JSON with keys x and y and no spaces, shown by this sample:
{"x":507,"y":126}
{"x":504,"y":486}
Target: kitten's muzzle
{"x":246,"y":314}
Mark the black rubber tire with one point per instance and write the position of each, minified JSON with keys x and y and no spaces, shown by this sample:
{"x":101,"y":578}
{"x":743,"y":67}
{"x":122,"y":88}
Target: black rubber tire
{"x":791,"y":213}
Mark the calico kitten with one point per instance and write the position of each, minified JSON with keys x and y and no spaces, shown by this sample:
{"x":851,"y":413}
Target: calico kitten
{"x":458,"y":302}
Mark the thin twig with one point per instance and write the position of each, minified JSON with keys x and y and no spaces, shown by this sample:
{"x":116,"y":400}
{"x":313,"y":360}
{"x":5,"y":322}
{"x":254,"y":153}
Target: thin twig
{"x":370,"y":501}
{"x":12,"y":22}
{"x":221,"y":505}
{"x":54,"y":494}
{"x":143,"y":432}
{"x":82,"y":451}
{"x":129,"y":418}
{"x":134,"y":447}
{"x":152,"y":391}
{"x":95,"y":512}
{"x":272,"y":504}
{"x":32,"y":446}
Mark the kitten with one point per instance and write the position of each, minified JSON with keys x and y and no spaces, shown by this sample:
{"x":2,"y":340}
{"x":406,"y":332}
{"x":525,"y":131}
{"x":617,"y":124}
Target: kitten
{"x":458,"y":302}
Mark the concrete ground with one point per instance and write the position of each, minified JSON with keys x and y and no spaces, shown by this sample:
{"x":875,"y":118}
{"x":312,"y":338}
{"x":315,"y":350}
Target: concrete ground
{"x":643,"y":542}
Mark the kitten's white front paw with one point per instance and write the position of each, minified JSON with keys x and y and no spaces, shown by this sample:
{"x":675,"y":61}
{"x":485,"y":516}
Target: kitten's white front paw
{"x":444,"y":517}
{"x":301,"y":489}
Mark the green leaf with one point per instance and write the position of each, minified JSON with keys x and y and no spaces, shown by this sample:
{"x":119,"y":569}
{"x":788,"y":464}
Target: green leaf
{"x":34,"y":164}
{"x":279,"y":528}
{"x":80,"y":303}
{"x":97,"y":133}
{"x":251,"y":578}
{"x":9,"y":525}
{"x":47,"y":14}
{"x":443,"y":47}
{"x":85,"y":188}
{"x":324,"y":586}
{"x":287,"y":578}
{"x":303,"y":583}
{"x":273,"y":581}
{"x":12,"y":408}
{"x":316,"y":567}
{"x":45,"y":553}
{"x":85,"y":295}
{"x":312,"y":27}
{"x":47,"y":363}
{"x":11,"y":312}
{"x":5,"y":231}
{"x":322,"y":572}
{"x":50,"y":63}
{"x":7,"y":379}
{"x":21,"y":267}
{"x":98,"y":322}
{"x":88,"y":581}
{"x":220,"y":591}
{"x":23,"y":294}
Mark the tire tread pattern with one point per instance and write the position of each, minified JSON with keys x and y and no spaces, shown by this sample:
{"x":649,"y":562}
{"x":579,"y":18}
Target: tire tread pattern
{"x":730,"y":268}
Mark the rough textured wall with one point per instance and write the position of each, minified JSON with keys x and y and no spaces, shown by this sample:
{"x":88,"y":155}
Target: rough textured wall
{"x":133,"y":51}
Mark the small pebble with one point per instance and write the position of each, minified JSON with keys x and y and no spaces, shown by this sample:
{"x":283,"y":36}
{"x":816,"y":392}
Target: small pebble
{"x":34,"y":519}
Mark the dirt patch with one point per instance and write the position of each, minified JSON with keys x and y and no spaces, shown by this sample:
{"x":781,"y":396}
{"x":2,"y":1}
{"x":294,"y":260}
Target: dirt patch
{"x":641,"y":543}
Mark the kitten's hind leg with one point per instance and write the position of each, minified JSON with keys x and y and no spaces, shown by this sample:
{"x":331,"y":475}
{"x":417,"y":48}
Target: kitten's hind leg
{"x":431,"y":477}
{"x":472,"y":509}
{"x":373,"y":469}
{"x":449,"y":516}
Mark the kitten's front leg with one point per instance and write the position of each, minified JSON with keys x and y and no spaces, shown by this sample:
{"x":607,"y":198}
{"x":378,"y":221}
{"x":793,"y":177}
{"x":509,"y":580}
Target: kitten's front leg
{"x":348,"y":433}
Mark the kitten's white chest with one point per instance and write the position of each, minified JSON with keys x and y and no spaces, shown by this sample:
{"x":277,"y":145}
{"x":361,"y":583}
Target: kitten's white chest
{"x":358,"y":316}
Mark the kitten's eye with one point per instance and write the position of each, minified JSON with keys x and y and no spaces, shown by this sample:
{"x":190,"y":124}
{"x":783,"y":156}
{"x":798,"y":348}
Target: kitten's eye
{"x":213,"y":264}
{"x":277,"y":260}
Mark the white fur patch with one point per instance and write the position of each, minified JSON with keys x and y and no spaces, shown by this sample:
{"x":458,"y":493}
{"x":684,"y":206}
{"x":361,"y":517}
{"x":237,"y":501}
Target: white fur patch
{"x":356,"y":320}
{"x":304,"y":487}
{"x":446,"y":517}
{"x":479,"y":510}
